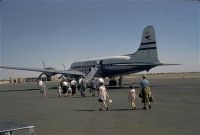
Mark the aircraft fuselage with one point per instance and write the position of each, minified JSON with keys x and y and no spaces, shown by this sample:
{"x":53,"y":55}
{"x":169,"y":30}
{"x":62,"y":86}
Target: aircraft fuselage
{"x":109,"y":67}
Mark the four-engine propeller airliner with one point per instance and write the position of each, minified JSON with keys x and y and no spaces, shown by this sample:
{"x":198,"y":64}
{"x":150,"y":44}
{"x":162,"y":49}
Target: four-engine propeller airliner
{"x":145,"y":58}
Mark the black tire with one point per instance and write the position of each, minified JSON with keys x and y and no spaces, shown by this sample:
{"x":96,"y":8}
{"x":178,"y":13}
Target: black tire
{"x":112,"y":83}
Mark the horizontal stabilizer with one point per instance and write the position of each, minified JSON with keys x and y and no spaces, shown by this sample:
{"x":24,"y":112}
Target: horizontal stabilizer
{"x":167,"y":64}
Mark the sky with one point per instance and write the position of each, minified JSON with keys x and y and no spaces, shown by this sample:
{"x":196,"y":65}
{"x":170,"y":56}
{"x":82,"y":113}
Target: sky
{"x":63,"y":31}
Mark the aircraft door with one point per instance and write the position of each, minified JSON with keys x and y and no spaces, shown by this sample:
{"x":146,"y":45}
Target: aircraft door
{"x":100,"y":67}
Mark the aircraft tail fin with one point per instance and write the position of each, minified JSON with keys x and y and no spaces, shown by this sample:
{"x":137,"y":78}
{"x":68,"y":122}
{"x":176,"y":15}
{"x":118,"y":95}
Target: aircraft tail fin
{"x":147,"y":52}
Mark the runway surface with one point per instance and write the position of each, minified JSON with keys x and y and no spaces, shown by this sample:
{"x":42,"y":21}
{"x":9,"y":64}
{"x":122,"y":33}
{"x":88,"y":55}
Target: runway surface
{"x":175,"y":110}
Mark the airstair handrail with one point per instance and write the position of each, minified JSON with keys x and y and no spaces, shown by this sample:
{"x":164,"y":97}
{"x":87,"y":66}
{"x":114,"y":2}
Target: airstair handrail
{"x":9,"y":131}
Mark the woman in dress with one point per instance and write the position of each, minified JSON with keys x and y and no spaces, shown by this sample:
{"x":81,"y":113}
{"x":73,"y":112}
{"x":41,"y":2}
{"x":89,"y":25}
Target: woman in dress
{"x":102,"y":96}
{"x":132,"y":96}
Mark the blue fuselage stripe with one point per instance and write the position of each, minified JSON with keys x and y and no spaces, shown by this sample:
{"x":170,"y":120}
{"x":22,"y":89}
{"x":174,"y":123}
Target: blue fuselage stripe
{"x":149,"y":48}
{"x":148,"y":43}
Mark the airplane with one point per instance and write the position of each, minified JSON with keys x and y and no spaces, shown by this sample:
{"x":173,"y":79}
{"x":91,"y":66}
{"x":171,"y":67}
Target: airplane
{"x":144,"y":59}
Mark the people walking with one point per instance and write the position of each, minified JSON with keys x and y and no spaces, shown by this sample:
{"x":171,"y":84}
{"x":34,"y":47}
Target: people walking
{"x":65,"y":86}
{"x":93,"y":86}
{"x":59,"y":91}
{"x":69,"y":90}
{"x":83,"y":86}
{"x":102,"y":96}
{"x":73,"y":86}
{"x":132,"y":97}
{"x":43,"y":89}
{"x":144,"y":91}
{"x":101,"y":80}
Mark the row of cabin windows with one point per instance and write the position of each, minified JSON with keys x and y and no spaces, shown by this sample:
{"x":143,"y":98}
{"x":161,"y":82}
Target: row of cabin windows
{"x":90,"y":66}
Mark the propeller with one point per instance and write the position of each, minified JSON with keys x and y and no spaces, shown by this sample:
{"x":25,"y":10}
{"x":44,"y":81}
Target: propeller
{"x":48,"y":75}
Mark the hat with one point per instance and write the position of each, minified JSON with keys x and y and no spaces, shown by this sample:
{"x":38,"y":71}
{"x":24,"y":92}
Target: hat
{"x":100,"y":83}
{"x":144,"y":76}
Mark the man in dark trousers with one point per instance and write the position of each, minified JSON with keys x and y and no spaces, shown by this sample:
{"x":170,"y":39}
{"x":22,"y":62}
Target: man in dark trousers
{"x":145,"y":88}
{"x":74,"y":85}
{"x":93,"y":84}
{"x":83,"y":86}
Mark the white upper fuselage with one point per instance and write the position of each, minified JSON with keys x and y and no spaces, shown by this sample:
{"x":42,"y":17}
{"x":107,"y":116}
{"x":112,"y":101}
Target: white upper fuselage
{"x":108,"y":66}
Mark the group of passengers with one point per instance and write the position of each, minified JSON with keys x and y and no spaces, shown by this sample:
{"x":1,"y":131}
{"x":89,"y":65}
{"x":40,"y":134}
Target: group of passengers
{"x":69,"y":86}
{"x":145,"y":94}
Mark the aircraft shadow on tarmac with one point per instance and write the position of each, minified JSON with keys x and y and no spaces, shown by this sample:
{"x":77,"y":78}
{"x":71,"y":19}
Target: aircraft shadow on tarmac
{"x":128,"y":87}
{"x":75,"y":96}
{"x":22,"y":90}
{"x":86,"y":96}
{"x":125,"y":109}
{"x":17,"y":90}
{"x":125,"y":86}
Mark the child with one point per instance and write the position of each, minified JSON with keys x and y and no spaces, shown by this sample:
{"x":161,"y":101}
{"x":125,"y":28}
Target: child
{"x":132,"y":96}
{"x":69,"y":90}
{"x":59,"y":90}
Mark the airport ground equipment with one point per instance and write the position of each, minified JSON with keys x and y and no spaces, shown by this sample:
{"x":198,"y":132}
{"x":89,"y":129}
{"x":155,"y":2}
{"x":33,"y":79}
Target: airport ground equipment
{"x":9,"y":129}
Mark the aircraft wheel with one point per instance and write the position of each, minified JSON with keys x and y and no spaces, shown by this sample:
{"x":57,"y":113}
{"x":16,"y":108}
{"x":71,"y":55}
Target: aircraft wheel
{"x":112,"y":83}
{"x":48,"y":78}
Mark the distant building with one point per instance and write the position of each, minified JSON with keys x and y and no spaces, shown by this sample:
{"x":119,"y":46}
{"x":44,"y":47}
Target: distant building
{"x":4,"y":81}
{"x":16,"y":80}
{"x":30,"y":79}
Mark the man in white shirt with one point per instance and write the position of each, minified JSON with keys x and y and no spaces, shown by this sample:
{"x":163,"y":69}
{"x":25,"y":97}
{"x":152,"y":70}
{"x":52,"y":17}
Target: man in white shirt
{"x":101,"y":80}
{"x":65,"y":84}
{"x":43,"y":88}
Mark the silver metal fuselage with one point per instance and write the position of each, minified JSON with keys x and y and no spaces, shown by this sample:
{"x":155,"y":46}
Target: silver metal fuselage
{"x":110,"y":66}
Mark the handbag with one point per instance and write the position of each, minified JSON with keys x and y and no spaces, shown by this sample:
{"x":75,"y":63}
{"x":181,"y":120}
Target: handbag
{"x":151,"y":99}
{"x":100,"y":100}
{"x":150,"y":95}
{"x":110,"y":100}
{"x":140,"y":95}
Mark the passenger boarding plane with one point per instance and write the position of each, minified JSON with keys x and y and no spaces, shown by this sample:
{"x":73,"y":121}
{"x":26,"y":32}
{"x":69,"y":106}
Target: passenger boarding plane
{"x":145,"y":58}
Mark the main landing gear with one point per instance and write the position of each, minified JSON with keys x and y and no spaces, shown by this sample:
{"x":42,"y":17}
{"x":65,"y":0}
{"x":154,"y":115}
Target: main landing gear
{"x":113,"y":82}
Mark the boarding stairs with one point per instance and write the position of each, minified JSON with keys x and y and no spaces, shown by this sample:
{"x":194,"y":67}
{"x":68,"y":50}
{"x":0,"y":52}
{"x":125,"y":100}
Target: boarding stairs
{"x":10,"y":128}
{"x":91,"y":74}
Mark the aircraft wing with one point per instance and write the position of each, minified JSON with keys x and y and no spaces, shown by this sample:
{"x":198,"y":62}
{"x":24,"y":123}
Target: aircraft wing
{"x":51,"y":71}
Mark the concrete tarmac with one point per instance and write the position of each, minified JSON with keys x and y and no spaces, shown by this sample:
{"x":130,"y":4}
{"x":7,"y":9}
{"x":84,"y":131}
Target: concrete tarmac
{"x":175,"y":110}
